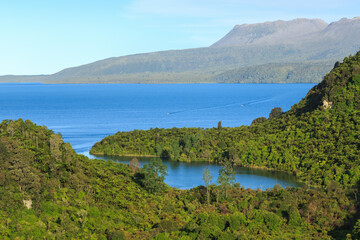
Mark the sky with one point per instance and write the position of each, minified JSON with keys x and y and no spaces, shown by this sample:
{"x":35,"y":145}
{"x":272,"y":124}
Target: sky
{"x":44,"y":37}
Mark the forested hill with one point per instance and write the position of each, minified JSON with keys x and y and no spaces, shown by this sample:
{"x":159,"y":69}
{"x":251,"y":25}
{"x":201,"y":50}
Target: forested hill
{"x":301,"y":72}
{"x":47,"y":191}
{"x":317,"y":140}
{"x":300,"y":41}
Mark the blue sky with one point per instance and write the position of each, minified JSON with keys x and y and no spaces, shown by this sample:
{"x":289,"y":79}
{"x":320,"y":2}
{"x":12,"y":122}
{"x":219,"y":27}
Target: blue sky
{"x":43,"y":37}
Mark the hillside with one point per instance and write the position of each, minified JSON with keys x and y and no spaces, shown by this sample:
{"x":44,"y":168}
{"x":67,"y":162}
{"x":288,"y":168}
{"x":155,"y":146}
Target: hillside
{"x":271,"y":33}
{"x":303,"y":34}
{"x":297,"y":41}
{"x":303,"y":72}
{"x":47,"y":191}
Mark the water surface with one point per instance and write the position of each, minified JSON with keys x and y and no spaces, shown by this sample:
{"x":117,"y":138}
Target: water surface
{"x":186,"y":175}
{"x":86,"y":113}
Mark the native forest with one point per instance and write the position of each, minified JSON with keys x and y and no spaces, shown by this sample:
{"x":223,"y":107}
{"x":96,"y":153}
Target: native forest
{"x":48,"y":191}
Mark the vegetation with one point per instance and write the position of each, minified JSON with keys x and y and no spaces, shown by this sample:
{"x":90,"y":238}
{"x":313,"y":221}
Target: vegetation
{"x":207,"y":179}
{"x":47,"y":191}
{"x":300,"y":72}
{"x":317,"y":140}
{"x":225,"y":180}
{"x":153,"y":176}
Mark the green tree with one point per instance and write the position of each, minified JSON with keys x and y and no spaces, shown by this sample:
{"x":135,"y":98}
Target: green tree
{"x":207,"y":179}
{"x":219,"y":125}
{"x":226,"y":178}
{"x":134,"y":164}
{"x":356,"y":229}
{"x":154,"y":175}
{"x":258,"y":120}
{"x":275,"y":112}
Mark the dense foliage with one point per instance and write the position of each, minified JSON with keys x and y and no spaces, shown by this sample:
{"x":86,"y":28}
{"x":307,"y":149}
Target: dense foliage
{"x":317,"y":140}
{"x":47,"y":191}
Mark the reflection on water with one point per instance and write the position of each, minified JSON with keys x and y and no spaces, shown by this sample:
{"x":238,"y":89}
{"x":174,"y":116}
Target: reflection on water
{"x":186,"y":175}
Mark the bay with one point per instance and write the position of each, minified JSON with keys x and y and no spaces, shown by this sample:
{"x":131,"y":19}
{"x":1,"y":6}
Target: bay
{"x":86,"y":113}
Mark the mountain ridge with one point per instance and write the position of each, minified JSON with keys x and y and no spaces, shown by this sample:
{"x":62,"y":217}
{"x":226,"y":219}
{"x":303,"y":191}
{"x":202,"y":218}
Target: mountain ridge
{"x":299,"y":40}
{"x":270,"y":33}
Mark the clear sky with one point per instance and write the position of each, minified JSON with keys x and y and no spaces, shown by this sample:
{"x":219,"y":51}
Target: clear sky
{"x":43,"y":37}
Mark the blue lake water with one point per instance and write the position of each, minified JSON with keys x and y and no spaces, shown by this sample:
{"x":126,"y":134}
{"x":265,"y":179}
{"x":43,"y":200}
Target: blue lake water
{"x":86,"y":113}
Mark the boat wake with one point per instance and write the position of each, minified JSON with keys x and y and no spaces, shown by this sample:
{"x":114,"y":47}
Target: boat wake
{"x":243,"y":104}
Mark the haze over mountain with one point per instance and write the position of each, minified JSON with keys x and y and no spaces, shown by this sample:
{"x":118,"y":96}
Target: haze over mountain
{"x":244,"y":47}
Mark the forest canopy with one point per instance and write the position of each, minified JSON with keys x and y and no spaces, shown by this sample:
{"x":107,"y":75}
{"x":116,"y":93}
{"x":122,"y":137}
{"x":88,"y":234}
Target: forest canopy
{"x":47,"y":191}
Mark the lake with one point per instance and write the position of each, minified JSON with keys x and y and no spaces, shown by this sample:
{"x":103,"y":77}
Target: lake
{"x":86,"y":113}
{"x":185,"y":175}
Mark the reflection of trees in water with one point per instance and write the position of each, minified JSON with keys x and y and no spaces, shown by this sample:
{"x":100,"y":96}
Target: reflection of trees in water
{"x":213,"y":167}
{"x":268,"y":173}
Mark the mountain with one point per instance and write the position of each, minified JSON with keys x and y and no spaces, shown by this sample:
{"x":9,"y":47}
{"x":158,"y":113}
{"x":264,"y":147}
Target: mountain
{"x":271,"y":33}
{"x":324,"y":39}
{"x":250,"y":45}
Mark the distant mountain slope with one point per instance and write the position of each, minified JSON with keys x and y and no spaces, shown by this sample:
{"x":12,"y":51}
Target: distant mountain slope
{"x":192,"y":65}
{"x":299,"y":40}
{"x":332,"y":40}
{"x":298,"y":32}
{"x":303,"y":72}
{"x":271,"y":33}
{"x":23,"y":78}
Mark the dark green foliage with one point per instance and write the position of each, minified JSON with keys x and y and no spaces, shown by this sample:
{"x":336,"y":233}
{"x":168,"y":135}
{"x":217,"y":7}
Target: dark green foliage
{"x":356,"y":79}
{"x":275,"y":112}
{"x":356,"y":230}
{"x":73,"y":197}
{"x":207,"y":179}
{"x":153,"y":175}
{"x":226,"y":179}
{"x":258,"y":120}
{"x":219,"y":125}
